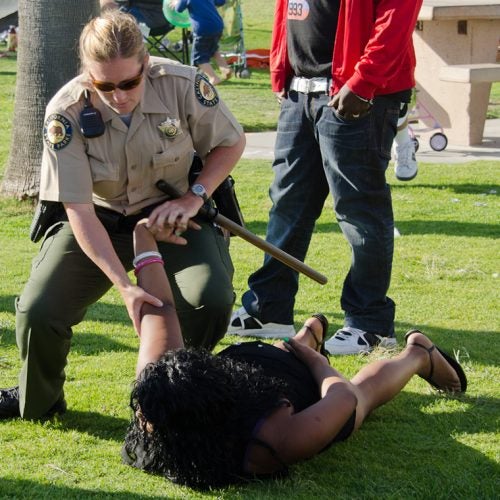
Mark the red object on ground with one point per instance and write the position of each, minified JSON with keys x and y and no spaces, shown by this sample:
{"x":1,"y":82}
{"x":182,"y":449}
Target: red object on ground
{"x":255,"y":58}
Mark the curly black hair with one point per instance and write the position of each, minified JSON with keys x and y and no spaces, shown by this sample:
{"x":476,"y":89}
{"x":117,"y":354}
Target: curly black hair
{"x":194,"y":414}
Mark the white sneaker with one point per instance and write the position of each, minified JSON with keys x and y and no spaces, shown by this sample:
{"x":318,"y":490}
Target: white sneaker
{"x":245,"y":325}
{"x":349,"y":340}
{"x":405,"y":163}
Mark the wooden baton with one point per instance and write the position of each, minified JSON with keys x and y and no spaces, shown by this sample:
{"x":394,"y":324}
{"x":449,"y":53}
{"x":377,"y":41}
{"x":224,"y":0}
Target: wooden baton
{"x":212,"y":214}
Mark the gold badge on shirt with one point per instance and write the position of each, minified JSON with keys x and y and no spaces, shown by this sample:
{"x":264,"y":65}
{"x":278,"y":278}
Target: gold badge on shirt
{"x":170,"y":128}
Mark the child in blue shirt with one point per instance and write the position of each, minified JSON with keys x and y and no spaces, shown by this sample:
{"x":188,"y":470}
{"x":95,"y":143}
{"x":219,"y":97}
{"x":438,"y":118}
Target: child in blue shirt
{"x":207,"y":26}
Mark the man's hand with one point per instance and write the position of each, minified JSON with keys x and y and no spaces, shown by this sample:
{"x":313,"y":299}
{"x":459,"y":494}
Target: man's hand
{"x":282,"y":94}
{"x":348,"y":105}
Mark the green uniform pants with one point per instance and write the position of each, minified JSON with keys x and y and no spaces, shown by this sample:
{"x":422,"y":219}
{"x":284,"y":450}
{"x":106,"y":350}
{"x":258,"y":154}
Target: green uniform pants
{"x":64,"y":282}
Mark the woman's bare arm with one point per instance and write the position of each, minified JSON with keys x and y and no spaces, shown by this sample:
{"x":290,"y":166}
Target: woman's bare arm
{"x":160,"y":328}
{"x":298,"y":436}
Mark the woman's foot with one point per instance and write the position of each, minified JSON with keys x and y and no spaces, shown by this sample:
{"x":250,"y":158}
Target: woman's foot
{"x":439,"y":369}
{"x":214,"y":80}
{"x":227,"y":73}
{"x":317,"y":328}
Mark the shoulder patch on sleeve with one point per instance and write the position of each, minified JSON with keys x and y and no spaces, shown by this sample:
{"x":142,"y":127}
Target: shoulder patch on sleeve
{"x":205,"y":91}
{"x":57,"y":131}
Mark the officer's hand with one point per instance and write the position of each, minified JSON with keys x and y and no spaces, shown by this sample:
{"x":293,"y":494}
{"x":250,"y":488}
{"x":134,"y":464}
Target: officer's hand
{"x":134,"y":298}
{"x":348,"y":105}
{"x":169,"y":220}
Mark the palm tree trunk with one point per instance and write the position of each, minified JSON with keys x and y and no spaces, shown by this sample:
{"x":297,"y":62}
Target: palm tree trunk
{"x":47,"y":58}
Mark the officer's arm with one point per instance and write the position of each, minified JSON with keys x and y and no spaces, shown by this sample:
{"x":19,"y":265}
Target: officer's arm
{"x":218,"y":164}
{"x":96,"y":244}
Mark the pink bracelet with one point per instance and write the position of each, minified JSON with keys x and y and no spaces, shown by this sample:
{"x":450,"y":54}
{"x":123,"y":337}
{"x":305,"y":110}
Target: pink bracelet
{"x":146,"y":262}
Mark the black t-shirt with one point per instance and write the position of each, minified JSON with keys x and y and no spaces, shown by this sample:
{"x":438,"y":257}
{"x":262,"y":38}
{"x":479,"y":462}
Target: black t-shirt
{"x":311,"y":29}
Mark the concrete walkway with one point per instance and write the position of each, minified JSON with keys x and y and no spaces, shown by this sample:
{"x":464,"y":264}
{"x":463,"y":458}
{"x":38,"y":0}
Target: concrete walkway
{"x":261,"y":145}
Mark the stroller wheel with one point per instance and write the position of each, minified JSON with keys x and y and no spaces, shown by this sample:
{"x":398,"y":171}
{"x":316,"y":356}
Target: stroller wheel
{"x":416,"y":144}
{"x":438,"y":141}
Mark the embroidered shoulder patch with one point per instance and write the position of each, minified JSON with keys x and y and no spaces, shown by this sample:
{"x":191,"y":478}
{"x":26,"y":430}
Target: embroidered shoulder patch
{"x":57,"y":131}
{"x":205,"y":91}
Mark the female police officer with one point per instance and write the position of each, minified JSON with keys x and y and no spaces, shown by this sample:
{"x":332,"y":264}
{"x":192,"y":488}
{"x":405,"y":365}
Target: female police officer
{"x":155,"y":114}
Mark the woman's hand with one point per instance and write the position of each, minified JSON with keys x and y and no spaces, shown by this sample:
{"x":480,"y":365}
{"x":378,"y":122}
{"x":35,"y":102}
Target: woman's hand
{"x":306,"y":354}
{"x":318,"y":365}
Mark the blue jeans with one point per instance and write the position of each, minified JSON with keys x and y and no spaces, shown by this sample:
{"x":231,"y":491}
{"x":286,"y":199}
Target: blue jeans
{"x":317,"y":152}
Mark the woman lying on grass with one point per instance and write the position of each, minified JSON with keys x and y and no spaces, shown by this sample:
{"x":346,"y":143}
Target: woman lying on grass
{"x":205,"y":420}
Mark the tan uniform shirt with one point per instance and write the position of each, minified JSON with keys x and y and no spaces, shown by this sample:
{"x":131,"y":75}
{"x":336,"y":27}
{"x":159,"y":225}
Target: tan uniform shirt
{"x":180,"y":113}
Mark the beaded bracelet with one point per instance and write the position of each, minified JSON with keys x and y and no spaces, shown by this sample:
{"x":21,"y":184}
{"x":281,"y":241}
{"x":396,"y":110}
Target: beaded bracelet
{"x":143,"y":255}
{"x":145,"y":262}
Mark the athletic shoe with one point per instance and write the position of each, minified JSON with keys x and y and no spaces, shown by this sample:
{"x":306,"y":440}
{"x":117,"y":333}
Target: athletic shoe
{"x":405,"y":163}
{"x":349,"y":340}
{"x":9,"y":404}
{"x":245,"y":325}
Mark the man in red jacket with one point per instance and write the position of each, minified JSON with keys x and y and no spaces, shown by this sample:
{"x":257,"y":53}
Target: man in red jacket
{"x":340,"y":69}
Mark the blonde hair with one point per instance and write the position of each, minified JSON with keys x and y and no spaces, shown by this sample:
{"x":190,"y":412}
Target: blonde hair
{"x":113,"y":34}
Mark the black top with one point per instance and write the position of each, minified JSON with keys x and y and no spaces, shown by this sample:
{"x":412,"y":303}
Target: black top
{"x":302,"y":391}
{"x":302,"y":388}
{"x":311,"y":30}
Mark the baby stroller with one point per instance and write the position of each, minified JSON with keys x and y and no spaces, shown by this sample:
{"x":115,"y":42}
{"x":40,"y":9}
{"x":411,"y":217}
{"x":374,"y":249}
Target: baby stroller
{"x":438,"y":141}
{"x":232,"y":44}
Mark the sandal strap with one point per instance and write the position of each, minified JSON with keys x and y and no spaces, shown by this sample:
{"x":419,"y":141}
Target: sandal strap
{"x":320,"y":343}
{"x":429,"y":350}
{"x":311,"y":331}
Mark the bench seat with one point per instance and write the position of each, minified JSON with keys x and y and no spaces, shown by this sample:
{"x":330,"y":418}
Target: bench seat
{"x":470,"y":73}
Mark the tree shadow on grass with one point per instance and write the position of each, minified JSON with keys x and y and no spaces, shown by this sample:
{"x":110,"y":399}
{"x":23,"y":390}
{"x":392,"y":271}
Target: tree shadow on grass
{"x":460,"y":188}
{"x":443,"y":227}
{"x":21,"y":488}
{"x":448,"y":228}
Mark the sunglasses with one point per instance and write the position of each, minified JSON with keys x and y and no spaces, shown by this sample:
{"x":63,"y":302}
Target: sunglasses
{"x":125,"y":85}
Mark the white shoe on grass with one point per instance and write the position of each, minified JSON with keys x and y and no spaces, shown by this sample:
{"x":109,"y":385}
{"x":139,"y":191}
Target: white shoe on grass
{"x":244,"y":325}
{"x":349,"y":340}
{"x":405,"y":163}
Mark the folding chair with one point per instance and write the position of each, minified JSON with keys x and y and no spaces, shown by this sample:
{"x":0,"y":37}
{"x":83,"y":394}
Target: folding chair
{"x":154,"y":27}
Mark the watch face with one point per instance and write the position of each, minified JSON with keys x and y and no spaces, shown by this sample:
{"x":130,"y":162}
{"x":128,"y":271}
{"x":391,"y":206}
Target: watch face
{"x":200,"y":191}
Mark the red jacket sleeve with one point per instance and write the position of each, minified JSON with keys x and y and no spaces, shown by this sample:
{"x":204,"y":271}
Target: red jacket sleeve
{"x":389,"y":47}
{"x":278,"y":58}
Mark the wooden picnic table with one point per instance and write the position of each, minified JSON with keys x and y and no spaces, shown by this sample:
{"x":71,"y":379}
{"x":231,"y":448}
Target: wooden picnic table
{"x":451,"y":33}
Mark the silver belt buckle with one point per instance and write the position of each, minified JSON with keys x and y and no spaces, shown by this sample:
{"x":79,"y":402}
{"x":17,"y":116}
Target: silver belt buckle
{"x":319,"y":85}
{"x":309,"y":85}
{"x":301,"y":84}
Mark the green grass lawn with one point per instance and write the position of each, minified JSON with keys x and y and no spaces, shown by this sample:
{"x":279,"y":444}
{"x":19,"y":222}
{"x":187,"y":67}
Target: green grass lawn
{"x":422,"y":445}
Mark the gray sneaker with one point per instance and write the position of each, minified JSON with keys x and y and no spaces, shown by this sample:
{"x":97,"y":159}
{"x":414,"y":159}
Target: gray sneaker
{"x":349,"y":340}
{"x":405,"y":163}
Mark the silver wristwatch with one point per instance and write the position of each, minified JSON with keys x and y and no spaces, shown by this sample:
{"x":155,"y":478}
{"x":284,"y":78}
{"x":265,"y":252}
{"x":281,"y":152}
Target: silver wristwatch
{"x":199,"y":190}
